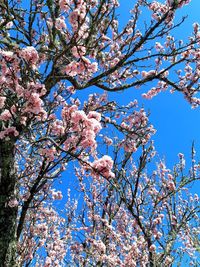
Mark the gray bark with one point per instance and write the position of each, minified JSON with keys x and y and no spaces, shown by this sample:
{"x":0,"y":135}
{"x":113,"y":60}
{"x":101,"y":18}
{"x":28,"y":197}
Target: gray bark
{"x":8,"y":215}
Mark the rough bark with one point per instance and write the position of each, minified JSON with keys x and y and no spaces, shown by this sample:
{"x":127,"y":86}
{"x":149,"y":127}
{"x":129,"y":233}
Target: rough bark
{"x":8,"y":215}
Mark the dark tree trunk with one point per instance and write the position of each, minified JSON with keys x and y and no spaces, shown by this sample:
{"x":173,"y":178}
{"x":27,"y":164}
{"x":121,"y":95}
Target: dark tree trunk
{"x":8,"y":215}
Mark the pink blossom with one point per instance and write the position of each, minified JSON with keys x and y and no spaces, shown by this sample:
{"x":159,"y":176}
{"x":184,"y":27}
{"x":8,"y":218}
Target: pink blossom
{"x":8,"y":55}
{"x":78,"y":116}
{"x":94,"y":125}
{"x":108,"y":141}
{"x":11,"y":131}
{"x":71,"y":89}
{"x":95,"y":115}
{"x":13,"y":203}
{"x":5,"y":115}
{"x":71,"y":69}
{"x":152,"y":248}
{"x":57,"y":128}
{"x":50,"y":153}
{"x":57,"y":195}
{"x":196,"y":27}
{"x":73,"y":17}
{"x":2,"y":101}
{"x":171,"y":186}
{"x":64,"y":5}
{"x":93,"y":67}
{"x":104,"y":166}
{"x":86,"y":60}
{"x":158,"y":46}
{"x":9,"y":24}
{"x":78,"y":51}
{"x":30,"y":54}
{"x":146,"y":74}
{"x":60,"y":23}
{"x":34,"y":104}
{"x":168,"y":260}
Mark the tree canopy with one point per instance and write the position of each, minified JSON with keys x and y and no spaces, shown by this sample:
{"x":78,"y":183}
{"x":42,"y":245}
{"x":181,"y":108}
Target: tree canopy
{"x":120,"y":208}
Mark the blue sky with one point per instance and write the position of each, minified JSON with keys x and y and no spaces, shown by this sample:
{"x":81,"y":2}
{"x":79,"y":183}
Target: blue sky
{"x":177,"y":124}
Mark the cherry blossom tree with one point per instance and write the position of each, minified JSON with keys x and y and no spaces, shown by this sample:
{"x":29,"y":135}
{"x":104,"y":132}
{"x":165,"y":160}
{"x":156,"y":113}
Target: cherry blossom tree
{"x":130,"y":215}
{"x":140,"y":218}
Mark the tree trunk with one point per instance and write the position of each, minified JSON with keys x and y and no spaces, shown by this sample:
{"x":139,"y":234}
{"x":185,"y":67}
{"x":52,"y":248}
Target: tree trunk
{"x":8,"y":214}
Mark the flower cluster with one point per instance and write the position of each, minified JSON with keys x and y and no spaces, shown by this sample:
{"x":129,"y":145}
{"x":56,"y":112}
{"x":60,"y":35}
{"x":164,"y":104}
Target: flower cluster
{"x":103,"y":166}
{"x":84,"y":68}
{"x":138,"y":130}
{"x":27,"y":94}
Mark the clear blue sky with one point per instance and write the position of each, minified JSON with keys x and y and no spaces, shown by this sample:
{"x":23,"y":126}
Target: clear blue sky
{"x":177,"y":124}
